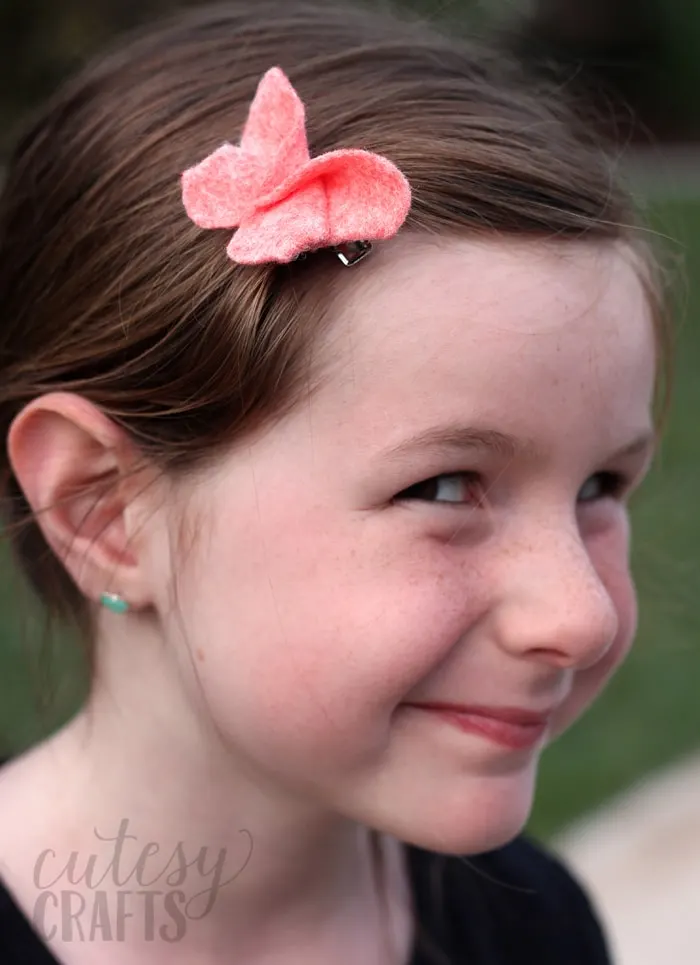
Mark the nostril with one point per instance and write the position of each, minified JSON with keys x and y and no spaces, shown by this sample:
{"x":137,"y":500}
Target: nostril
{"x":590,"y":630}
{"x":570,"y":627}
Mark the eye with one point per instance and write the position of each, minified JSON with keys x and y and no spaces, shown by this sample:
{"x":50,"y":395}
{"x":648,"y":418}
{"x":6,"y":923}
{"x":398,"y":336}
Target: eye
{"x":454,"y":488}
{"x":602,"y":485}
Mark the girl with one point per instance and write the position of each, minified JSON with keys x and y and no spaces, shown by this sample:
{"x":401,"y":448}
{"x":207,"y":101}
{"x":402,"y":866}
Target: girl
{"x":323,"y":435}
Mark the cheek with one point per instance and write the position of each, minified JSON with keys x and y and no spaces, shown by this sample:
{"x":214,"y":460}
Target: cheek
{"x":311,"y":645}
{"x":611,"y":561}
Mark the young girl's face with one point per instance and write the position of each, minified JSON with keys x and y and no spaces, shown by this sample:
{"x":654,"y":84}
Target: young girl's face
{"x":444,"y":521}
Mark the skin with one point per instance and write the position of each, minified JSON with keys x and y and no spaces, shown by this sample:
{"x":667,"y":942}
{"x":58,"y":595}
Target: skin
{"x":320,"y":595}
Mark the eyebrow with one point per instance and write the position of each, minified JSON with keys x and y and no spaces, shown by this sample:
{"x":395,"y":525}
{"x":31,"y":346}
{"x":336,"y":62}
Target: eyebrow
{"x":461,"y":438}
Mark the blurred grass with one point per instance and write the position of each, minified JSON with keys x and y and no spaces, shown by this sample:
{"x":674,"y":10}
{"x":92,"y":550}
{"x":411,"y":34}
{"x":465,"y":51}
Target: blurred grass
{"x":42,"y":680}
{"x":649,"y":713}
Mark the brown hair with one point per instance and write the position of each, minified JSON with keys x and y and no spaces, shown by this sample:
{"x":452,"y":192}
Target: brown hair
{"x":108,"y":290}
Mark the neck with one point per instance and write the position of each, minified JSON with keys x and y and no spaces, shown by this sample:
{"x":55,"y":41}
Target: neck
{"x":158,"y":823}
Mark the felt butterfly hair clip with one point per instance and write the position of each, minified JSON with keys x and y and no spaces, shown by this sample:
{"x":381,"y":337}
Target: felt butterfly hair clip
{"x":282,"y":201}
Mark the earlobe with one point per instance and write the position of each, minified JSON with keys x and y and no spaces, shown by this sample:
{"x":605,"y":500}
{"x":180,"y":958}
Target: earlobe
{"x":71,"y":462}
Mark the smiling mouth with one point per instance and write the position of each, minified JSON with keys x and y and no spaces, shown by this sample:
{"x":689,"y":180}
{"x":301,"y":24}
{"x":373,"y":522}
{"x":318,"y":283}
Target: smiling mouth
{"x":511,"y":727}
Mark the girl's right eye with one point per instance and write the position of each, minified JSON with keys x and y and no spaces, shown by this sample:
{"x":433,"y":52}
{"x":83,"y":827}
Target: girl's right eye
{"x":453,"y":488}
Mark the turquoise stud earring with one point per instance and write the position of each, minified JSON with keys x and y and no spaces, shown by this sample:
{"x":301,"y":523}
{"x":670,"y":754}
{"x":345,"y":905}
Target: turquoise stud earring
{"x":113,"y":602}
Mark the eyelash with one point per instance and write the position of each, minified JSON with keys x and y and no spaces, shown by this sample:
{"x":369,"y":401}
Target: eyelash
{"x":613,"y":486}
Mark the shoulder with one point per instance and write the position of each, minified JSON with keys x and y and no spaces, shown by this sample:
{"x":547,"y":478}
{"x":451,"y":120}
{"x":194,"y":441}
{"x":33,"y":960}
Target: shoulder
{"x":517,"y":903}
{"x":19,"y":942}
{"x":529,"y":865}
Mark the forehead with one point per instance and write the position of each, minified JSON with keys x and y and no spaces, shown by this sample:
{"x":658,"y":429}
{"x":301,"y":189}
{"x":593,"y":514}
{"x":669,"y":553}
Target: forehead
{"x":440,"y":329}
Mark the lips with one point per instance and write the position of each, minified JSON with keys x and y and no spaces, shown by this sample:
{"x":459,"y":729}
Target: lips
{"x":516,"y":728}
{"x":511,"y":715}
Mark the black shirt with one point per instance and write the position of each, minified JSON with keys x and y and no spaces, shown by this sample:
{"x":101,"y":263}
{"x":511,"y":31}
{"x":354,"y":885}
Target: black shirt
{"x":516,"y":905}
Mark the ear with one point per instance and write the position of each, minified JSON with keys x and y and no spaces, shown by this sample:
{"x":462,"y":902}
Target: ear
{"x":77,"y":470}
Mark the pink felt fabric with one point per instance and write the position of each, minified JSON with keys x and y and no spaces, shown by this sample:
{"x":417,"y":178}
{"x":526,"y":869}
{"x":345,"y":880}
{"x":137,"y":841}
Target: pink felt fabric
{"x":282,"y":201}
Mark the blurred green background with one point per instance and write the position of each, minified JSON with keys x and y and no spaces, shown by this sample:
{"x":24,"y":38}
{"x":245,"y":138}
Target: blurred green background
{"x":642,"y":59}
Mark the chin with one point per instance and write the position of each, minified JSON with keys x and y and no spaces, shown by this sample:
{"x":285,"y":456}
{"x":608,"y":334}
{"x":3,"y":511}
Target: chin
{"x":467,"y":839}
{"x":467,"y":827}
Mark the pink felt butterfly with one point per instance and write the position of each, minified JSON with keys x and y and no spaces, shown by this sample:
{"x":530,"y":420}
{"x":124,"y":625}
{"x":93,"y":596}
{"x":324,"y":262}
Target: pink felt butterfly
{"x":282,"y":201}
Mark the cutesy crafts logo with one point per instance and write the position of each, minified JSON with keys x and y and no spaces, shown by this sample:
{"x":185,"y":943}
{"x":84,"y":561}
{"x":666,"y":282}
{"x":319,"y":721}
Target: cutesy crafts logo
{"x":127,"y":892}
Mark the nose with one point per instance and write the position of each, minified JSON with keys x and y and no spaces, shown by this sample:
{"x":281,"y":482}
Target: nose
{"x":554,"y":604}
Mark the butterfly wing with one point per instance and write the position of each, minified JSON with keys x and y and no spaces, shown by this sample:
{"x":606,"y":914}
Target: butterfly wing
{"x":280,"y":233}
{"x":275,"y":131}
{"x":367,"y":197}
{"x":220,"y":190}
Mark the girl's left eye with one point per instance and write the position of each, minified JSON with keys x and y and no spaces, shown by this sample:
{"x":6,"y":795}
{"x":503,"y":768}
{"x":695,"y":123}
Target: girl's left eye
{"x":602,"y":485}
{"x":454,"y":487}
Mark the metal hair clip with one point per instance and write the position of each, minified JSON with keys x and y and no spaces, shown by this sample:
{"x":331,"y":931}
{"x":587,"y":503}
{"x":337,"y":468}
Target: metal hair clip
{"x":352,"y":251}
